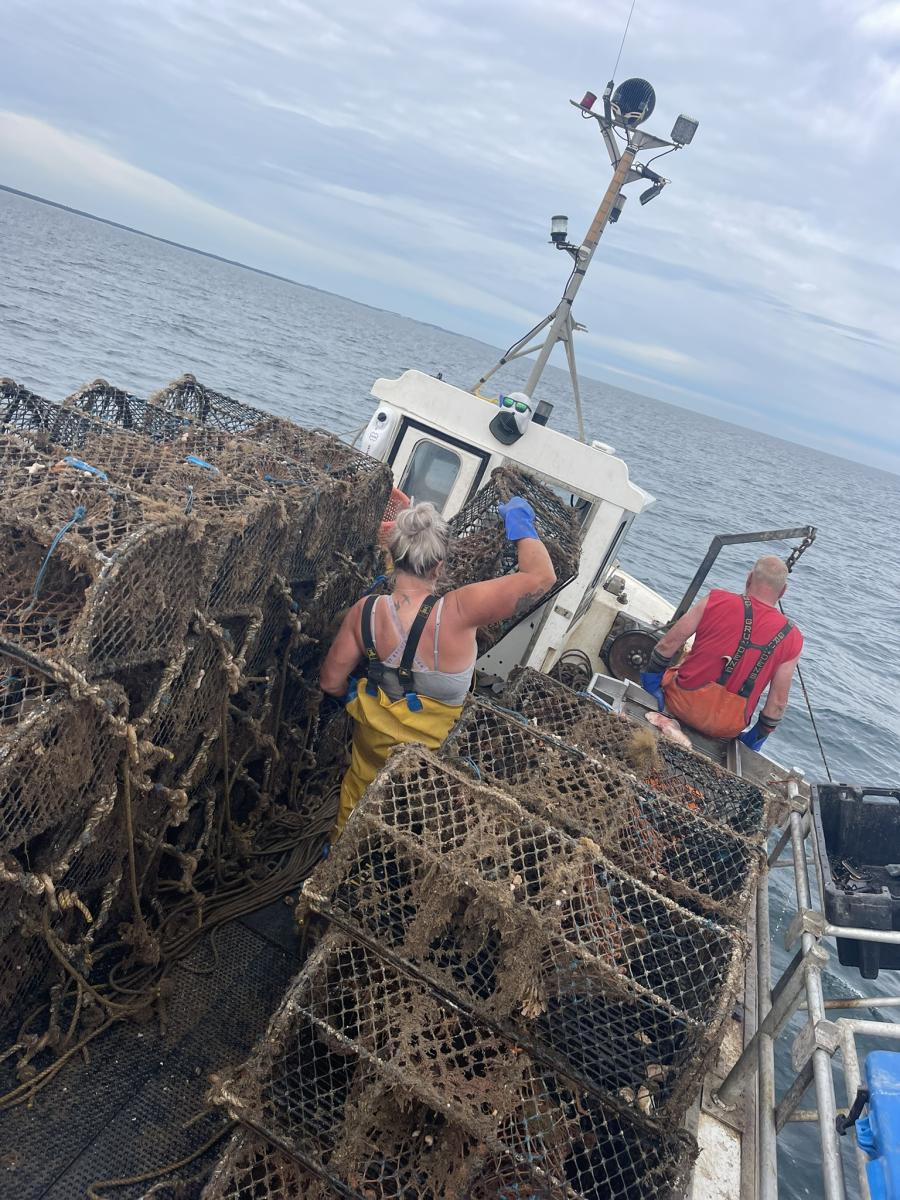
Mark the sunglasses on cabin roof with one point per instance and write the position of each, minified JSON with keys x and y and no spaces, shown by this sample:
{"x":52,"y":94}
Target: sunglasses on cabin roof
{"x":519,"y":405}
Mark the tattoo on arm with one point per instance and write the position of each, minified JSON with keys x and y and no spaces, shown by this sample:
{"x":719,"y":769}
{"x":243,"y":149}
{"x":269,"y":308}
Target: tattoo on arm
{"x":527,"y":603}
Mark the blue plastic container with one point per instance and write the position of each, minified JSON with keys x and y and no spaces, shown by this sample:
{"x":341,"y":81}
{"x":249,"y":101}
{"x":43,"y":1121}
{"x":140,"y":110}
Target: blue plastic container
{"x":879,"y":1132}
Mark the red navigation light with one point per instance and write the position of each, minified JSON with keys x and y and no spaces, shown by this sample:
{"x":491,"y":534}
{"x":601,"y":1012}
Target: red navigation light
{"x":588,"y":100}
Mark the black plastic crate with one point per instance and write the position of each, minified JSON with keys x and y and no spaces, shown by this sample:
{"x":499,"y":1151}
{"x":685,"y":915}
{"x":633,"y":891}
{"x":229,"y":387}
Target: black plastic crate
{"x":857,"y":830}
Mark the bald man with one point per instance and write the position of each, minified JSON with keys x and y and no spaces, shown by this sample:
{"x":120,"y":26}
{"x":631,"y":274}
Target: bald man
{"x":742,"y":645}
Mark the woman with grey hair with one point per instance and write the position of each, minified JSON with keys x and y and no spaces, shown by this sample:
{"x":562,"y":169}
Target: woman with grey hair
{"x":420,"y":650}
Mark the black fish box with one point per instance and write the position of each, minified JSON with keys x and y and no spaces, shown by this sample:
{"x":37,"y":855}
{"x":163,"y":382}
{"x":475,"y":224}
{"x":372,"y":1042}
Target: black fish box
{"x":857,"y":830}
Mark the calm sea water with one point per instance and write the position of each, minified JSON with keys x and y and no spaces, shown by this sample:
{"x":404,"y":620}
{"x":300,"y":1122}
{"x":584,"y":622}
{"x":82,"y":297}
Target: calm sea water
{"x":81,"y":300}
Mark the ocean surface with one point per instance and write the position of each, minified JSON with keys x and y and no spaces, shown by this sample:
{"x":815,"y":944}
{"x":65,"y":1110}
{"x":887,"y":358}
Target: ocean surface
{"x":81,"y":300}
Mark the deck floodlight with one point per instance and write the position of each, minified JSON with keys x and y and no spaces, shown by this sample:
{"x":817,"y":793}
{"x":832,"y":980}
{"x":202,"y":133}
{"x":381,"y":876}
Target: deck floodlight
{"x":651,"y":193}
{"x":632,"y":102}
{"x":683,"y":130}
{"x":559,"y":228}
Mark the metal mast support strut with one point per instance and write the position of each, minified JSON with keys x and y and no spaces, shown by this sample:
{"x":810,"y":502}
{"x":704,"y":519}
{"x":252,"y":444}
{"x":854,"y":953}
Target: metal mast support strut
{"x":562,"y":315}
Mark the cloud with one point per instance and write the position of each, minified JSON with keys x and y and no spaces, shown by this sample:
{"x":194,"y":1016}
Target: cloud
{"x":410,"y":154}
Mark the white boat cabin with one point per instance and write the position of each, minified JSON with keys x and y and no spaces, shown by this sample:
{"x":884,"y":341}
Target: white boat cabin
{"x":437,"y":440}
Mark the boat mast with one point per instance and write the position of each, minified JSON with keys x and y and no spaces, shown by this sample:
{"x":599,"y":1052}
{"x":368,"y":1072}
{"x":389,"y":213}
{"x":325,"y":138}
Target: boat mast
{"x":624,"y":108}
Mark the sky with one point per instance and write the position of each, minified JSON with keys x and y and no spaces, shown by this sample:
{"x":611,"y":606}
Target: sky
{"x":410,"y":155}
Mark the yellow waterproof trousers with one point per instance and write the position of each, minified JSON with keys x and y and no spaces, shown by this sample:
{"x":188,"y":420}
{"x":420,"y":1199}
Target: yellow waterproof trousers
{"x":380,"y":724}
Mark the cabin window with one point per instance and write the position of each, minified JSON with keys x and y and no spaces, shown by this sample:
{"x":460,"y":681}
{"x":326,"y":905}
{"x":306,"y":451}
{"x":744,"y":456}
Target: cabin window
{"x":579,"y":504}
{"x":430,"y":473}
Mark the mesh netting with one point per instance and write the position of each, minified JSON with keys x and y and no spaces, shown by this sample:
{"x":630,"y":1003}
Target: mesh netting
{"x":531,"y":929}
{"x":59,"y":746}
{"x":669,"y":769}
{"x":26,"y":412}
{"x":61,"y":842}
{"x":685,"y":856}
{"x":189,"y":702}
{"x":377,"y":1083}
{"x":354,"y":500}
{"x":185,"y":395}
{"x":298,"y":479}
{"x":97,"y":574}
{"x":253,"y":1169}
{"x":201,"y":569}
{"x":245,"y":525}
{"x":117,"y":407}
{"x":352,"y":488}
{"x":480,"y":550}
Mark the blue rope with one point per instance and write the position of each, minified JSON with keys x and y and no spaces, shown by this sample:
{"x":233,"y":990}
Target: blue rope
{"x":71,"y":461}
{"x":510,"y":712}
{"x":195,"y":461}
{"x":78,"y":515}
{"x":597,"y":700}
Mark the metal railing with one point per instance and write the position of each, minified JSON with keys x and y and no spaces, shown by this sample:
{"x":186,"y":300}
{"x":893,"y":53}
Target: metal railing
{"x":821,"y":1040}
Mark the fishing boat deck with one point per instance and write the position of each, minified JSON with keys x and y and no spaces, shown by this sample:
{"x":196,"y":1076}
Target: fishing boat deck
{"x":139,"y":1102}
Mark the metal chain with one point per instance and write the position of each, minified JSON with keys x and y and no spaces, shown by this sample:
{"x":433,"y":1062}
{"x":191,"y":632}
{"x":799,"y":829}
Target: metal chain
{"x":801,"y":549}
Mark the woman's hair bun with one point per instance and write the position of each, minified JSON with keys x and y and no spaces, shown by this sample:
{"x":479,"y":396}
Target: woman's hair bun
{"x":418,"y":541}
{"x":417,"y":518}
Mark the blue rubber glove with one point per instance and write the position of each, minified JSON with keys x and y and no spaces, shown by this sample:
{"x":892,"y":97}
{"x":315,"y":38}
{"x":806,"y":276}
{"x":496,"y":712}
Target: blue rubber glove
{"x":651,"y":681}
{"x":755,"y":737}
{"x":518,"y":516}
{"x":350,"y":693}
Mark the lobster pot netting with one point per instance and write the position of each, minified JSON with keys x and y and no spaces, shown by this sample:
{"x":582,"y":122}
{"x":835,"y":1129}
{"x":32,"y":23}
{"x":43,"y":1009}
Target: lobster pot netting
{"x":41,"y":420}
{"x":480,"y":550}
{"x":359,"y":486}
{"x":83,"y":859}
{"x":703,"y":865}
{"x":341,"y":581}
{"x":253,"y":1169}
{"x":357,"y":1043}
{"x":114,"y":406}
{"x":188,"y":398}
{"x":190,"y":701}
{"x":244,"y":520}
{"x":298,"y":482}
{"x":59,"y":747}
{"x":244,"y":528}
{"x":531,"y":930}
{"x":681,"y":774}
{"x":101,"y":576}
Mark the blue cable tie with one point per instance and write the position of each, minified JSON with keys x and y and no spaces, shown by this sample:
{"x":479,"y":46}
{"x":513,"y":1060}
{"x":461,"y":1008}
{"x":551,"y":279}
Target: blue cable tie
{"x":474,"y":765}
{"x":71,"y":461}
{"x":376,"y":582}
{"x":196,"y":461}
{"x":78,"y":515}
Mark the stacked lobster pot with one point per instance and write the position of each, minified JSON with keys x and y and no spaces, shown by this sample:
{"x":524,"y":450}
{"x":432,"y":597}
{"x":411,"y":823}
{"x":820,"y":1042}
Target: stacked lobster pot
{"x":509,"y":998}
{"x":530,"y":954}
{"x":670,"y":770}
{"x":167,"y":598}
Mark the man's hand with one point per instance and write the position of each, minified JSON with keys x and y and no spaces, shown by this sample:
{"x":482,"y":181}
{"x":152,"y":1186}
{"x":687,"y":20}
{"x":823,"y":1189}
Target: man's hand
{"x":651,"y":681}
{"x":755,"y":737}
{"x":518,"y":517}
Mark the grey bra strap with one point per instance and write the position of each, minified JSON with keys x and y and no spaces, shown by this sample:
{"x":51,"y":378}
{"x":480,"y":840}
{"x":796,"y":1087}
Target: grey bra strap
{"x":437,"y":628}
